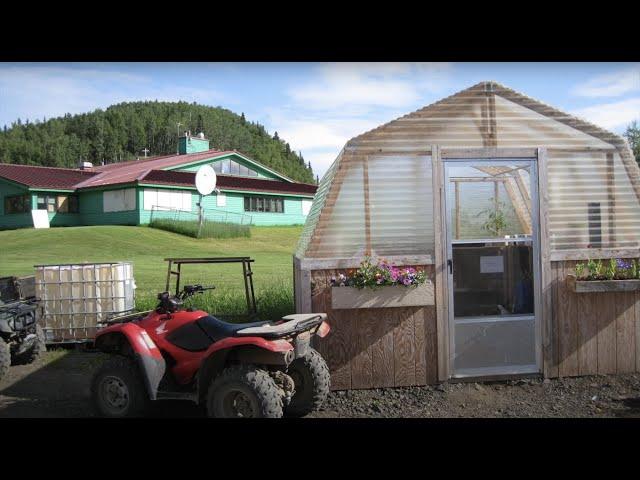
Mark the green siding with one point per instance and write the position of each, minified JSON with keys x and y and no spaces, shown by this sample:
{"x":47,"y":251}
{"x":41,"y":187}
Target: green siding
{"x":192,"y":145}
{"x":235,"y":206}
{"x":235,"y":203}
{"x":14,"y":220}
{"x":91,"y":211}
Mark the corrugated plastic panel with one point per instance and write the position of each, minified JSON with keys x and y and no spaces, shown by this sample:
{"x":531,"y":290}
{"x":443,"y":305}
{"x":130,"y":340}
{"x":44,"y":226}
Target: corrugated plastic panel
{"x":343,"y":235}
{"x":318,"y":202}
{"x":592,"y":203}
{"x":401,"y":205}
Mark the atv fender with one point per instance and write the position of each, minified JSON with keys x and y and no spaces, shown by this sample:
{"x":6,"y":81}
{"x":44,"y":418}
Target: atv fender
{"x":116,"y":338}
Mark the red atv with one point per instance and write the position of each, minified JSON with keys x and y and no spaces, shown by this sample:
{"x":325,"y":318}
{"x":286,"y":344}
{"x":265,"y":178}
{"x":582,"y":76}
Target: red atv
{"x":259,"y":369}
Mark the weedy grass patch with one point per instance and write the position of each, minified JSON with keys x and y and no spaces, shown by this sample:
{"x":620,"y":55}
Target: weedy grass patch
{"x":210,"y":229}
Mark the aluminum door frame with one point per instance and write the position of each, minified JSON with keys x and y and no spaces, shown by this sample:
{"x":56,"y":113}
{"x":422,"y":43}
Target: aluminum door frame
{"x":535,"y":239}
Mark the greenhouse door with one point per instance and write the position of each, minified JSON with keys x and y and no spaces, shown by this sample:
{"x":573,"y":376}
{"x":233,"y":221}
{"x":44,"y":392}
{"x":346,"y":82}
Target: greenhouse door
{"x":492,"y":266}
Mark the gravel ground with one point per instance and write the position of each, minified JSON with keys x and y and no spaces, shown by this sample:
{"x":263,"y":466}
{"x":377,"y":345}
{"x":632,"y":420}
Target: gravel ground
{"x":58,"y":386}
{"x":593,"y":396}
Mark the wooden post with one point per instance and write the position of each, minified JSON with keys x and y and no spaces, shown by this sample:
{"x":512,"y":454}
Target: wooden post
{"x":549,"y":350}
{"x":367,"y":209}
{"x":457,"y":184}
{"x":440,"y":267}
{"x":611,"y":197}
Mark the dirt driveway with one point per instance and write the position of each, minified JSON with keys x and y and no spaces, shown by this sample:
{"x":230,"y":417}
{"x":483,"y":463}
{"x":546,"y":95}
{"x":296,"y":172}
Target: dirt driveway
{"x":58,"y":386}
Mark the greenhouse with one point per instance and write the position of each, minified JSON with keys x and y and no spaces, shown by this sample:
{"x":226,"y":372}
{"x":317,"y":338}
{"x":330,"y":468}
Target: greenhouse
{"x":516,"y":212}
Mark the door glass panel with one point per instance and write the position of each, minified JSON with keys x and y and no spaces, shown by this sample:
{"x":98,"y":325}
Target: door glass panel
{"x":494,"y":345}
{"x":493,"y":280}
{"x":489,"y":201}
{"x":492,"y":253}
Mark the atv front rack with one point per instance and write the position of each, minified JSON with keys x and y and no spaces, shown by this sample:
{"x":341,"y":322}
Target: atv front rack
{"x":246,"y":273}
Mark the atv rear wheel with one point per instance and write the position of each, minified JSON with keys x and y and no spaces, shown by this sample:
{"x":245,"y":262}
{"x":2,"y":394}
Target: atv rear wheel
{"x":312,"y":380}
{"x":31,"y":355}
{"x":117,"y":389}
{"x":244,"y":391}
{"x":5,"y":357}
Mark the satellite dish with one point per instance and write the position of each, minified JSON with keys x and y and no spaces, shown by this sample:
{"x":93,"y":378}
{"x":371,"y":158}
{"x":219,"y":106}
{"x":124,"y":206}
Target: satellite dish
{"x":206,"y":180}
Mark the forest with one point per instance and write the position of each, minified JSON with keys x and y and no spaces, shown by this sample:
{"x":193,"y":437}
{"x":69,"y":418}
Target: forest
{"x":122,"y":132}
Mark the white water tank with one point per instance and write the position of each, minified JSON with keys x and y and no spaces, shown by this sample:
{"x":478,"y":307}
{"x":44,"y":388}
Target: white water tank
{"x":76,"y":297}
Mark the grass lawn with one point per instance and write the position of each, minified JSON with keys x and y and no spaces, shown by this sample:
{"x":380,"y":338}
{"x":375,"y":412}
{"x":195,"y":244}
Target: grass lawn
{"x":271,"y":247}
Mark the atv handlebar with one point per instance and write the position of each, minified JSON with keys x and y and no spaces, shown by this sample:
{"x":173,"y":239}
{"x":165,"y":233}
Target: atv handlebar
{"x":190,"y":290}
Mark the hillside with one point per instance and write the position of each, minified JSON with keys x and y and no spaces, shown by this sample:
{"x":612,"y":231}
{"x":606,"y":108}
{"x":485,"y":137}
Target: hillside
{"x":122,"y":131}
{"x":147,"y":248}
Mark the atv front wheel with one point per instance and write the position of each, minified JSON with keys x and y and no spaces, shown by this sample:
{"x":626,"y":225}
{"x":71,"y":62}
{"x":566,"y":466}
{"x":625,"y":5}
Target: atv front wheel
{"x":117,"y":389}
{"x":5,"y":357}
{"x":244,"y":391}
{"x":31,"y":355}
{"x":312,"y":380}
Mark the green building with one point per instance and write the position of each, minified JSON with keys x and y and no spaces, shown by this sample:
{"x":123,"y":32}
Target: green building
{"x":131,"y":193}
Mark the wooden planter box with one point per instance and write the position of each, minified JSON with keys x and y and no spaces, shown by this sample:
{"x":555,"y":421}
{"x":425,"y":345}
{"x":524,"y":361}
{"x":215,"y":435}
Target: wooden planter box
{"x":584,"y":286}
{"x":384,"y":297}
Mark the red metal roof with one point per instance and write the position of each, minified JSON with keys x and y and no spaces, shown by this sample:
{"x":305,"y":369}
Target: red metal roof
{"x":128,"y":172}
{"x":144,"y":171}
{"x":44,"y":177}
{"x":229,"y":182}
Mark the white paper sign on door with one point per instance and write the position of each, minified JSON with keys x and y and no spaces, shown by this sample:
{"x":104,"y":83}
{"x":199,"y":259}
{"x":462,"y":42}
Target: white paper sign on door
{"x":493,"y":264}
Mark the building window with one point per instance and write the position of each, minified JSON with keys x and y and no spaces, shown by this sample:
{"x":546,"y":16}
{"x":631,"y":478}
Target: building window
{"x":230,"y":167}
{"x":264,"y":204}
{"x":161,"y":199}
{"x":123,"y":200}
{"x":17,"y":204}
{"x":58,"y":203}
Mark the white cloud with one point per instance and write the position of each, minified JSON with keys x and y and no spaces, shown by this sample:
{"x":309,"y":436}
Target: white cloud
{"x":344,"y":100}
{"x":610,"y":84}
{"x":612,"y":115}
{"x":352,"y":85}
{"x":34,"y":92}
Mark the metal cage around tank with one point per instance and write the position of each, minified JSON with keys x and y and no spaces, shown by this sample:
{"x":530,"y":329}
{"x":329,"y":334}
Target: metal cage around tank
{"x":76,"y":297}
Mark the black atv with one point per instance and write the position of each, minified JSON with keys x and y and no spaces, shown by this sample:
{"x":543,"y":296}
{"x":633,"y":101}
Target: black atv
{"x":22,"y":340}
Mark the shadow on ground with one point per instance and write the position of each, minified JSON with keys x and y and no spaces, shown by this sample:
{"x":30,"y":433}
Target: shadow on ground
{"x":57,"y":386}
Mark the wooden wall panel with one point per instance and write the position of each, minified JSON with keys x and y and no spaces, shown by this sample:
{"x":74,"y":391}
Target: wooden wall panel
{"x":380,"y":347}
{"x":382,"y":352}
{"x":404,"y":347}
{"x":595,"y":333}
{"x":362,"y":363}
{"x":625,"y":332}
{"x":587,"y":335}
{"x":606,"y":312}
{"x":420,"y":356}
{"x":569,"y":338}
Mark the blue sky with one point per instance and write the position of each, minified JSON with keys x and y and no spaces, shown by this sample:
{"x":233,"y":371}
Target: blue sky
{"x":315,"y":107}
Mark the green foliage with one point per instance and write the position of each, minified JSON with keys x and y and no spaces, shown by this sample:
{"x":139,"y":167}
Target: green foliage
{"x":273,"y":302}
{"x":632,"y":134}
{"x":496,"y":219}
{"x":147,"y":248}
{"x":615,"y":269}
{"x":611,"y":269}
{"x":120,"y":132}
{"x":209,"y":229}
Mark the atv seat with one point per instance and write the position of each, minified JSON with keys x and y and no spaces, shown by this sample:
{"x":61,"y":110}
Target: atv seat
{"x":289,"y":324}
{"x":217,"y":329}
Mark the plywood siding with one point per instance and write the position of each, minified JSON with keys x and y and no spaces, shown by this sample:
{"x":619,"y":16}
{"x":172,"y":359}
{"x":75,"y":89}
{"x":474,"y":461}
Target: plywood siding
{"x":372,"y":348}
{"x":592,"y":333}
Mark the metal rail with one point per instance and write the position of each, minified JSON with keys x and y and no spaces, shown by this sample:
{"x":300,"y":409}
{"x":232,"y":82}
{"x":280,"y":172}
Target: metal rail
{"x":246,"y":272}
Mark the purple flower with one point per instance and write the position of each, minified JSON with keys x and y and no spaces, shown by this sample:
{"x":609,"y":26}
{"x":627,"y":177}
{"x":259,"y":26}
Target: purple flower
{"x":622,"y":265}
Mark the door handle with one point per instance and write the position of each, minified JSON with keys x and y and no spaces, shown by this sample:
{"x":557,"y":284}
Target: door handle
{"x":450,"y":265}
